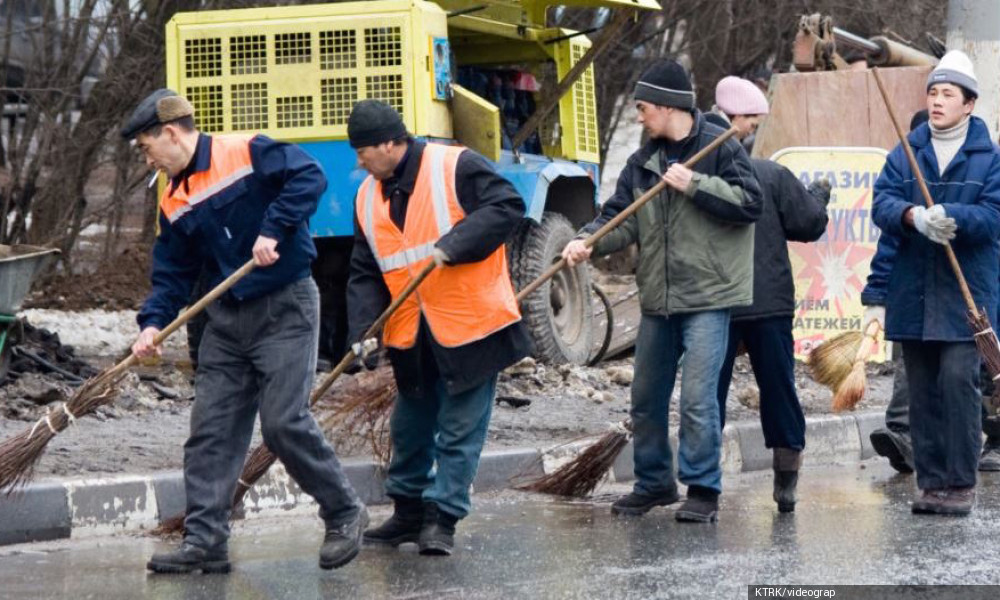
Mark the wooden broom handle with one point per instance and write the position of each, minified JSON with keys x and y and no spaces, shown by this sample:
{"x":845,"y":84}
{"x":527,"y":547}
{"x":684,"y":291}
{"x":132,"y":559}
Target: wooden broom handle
{"x":628,"y":212}
{"x":952,"y":259}
{"x":188,"y":314}
{"x":348,"y":358}
{"x":870,"y":338}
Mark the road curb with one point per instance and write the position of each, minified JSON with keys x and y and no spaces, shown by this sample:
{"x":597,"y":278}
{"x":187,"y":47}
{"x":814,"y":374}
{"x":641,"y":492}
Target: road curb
{"x":87,"y":507}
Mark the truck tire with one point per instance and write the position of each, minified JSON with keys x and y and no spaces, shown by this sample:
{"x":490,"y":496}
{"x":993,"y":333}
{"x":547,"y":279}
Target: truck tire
{"x":559,"y":314}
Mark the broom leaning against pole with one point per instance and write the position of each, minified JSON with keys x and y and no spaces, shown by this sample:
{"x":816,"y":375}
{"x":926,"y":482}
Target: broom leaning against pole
{"x":982,"y":329}
{"x":19,"y":454}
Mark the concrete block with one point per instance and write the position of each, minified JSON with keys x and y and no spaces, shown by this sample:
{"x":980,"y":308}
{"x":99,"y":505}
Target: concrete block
{"x":867,"y":423}
{"x":171,"y":499}
{"x":754,"y":455}
{"x":831,"y":440}
{"x":39,"y":512}
{"x":497,"y":469}
{"x":368,"y":480}
{"x":732,"y":457}
{"x":624,"y":467}
{"x":105,"y":505}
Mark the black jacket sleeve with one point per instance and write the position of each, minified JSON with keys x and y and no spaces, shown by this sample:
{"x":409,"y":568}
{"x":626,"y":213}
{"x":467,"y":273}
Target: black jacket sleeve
{"x":367,"y":293}
{"x":732,"y":193}
{"x":803,"y":215}
{"x":492,"y":206}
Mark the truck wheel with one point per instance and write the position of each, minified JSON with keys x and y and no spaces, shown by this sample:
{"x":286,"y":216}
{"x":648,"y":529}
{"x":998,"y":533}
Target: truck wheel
{"x":559,"y":313}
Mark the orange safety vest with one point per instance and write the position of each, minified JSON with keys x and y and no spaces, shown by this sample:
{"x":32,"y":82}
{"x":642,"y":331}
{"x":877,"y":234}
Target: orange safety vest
{"x":461,"y":303}
{"x":230,"y":163}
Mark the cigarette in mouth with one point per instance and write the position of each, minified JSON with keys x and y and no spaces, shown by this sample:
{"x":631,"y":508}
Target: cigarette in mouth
{"x":152,"y":180}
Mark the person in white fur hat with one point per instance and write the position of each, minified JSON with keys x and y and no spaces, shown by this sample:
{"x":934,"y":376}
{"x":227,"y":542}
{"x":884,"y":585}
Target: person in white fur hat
{"x":924,"y":308}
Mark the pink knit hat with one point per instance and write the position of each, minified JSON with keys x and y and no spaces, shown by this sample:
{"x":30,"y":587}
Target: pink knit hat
{"x":737,"y":96}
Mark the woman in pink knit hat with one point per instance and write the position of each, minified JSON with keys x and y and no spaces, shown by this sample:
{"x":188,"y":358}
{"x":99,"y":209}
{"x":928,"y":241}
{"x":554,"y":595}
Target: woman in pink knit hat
{"x":791,"y":213}
{"x":741,"y":103}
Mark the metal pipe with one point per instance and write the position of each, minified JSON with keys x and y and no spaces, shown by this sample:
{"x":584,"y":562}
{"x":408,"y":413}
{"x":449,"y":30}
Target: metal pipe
{"x":854,"y":41}
{"x":894,"y":54}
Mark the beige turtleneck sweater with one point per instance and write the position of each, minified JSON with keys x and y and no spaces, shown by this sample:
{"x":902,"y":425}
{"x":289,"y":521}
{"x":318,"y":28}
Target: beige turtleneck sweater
{"x":947,"y":142}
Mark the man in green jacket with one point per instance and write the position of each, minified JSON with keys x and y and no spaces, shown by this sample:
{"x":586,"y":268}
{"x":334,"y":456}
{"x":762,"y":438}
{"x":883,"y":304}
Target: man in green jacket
{"x":695,"y":264}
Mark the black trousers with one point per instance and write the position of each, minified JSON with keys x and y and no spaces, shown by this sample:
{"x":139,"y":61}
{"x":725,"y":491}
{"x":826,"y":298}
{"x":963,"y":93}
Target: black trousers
{"x":945,"y":412}
{"x":771,"y":349}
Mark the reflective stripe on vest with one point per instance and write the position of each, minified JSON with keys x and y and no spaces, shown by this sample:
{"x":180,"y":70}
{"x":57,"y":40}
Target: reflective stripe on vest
{"x":230,"y":163}
{"x":461,"y":303}
{"x":439,"y":198}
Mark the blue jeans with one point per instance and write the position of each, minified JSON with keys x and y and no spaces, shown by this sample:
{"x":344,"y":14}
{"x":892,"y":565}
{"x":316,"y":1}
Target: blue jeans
{"x":701,"y":338}
{"x":438,"y":427}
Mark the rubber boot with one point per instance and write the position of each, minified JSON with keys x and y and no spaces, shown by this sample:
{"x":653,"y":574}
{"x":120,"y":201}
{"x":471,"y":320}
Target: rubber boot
{"x":786,"y":477}
{"x":402,"y":527}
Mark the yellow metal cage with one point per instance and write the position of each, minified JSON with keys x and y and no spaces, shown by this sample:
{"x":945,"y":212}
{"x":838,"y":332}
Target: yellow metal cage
{"x":295,"y":72}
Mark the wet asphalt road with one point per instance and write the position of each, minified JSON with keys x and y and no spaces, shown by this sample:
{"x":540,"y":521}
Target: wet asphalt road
{"x":853,"y":525}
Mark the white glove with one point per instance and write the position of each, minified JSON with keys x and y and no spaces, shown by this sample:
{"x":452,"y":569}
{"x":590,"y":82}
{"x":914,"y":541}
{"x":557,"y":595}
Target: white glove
{"x":363,"y":348}
{"x":874,"y":313}
{"x":934,"y":223}
{"x":441,"y":257}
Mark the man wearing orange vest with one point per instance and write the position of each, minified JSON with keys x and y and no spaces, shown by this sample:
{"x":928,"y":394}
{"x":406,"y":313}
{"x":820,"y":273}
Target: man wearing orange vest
{"x":230,"y":199}
{"x":426,"y":202}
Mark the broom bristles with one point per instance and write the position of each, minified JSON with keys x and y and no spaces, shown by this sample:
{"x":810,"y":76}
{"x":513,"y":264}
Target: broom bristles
{"x":832,"y":361}
{"x":852,"y":390}
{"x":20,"y":454}
{"x":579,"y":477}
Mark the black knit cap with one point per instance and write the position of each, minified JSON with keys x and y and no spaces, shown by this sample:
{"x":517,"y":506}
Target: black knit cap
{"x":373,"y":122}
{"x":666,"y":83}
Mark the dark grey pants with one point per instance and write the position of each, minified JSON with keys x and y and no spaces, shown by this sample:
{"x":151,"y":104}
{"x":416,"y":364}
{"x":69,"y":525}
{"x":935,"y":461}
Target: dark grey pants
{"x":259,"y":354}
{"x":897,"y":414}
{"x":945,"y":412}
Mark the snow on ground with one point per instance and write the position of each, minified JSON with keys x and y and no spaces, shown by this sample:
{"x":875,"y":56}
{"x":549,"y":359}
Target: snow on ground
{"x":96,"y":332}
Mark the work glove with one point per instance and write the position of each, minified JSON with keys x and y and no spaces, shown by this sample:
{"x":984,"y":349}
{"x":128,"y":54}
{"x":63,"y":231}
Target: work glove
{"x":365,"y":356}
{"x":820,"y":190}
{"x":441,"y":258}
{"x":873,"y":313}
{"x":934,"y":224}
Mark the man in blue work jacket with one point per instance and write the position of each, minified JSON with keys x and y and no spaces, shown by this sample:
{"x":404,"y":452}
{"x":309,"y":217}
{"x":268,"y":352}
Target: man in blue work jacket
{"x":230,"y":199}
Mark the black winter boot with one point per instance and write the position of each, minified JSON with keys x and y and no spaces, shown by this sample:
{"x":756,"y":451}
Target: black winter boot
{"x":786,"y":476}
{"x":343,"y":542}
{"x":189,"y":558}
{"x":402,"y":527}
{"x":990,"y":459}
{"x":636,"y":504}
{"x":437,"y":536}
{"x":701,"y":506}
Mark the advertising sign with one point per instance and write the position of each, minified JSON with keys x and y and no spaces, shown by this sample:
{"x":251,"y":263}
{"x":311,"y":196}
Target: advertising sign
{"x":830,"y":273}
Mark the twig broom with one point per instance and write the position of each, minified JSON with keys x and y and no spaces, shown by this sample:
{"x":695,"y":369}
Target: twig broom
{"x":19,"y":454}
{"x":579,"y":477}
{"x":979,"y":321}
{"x":852,"y":389}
